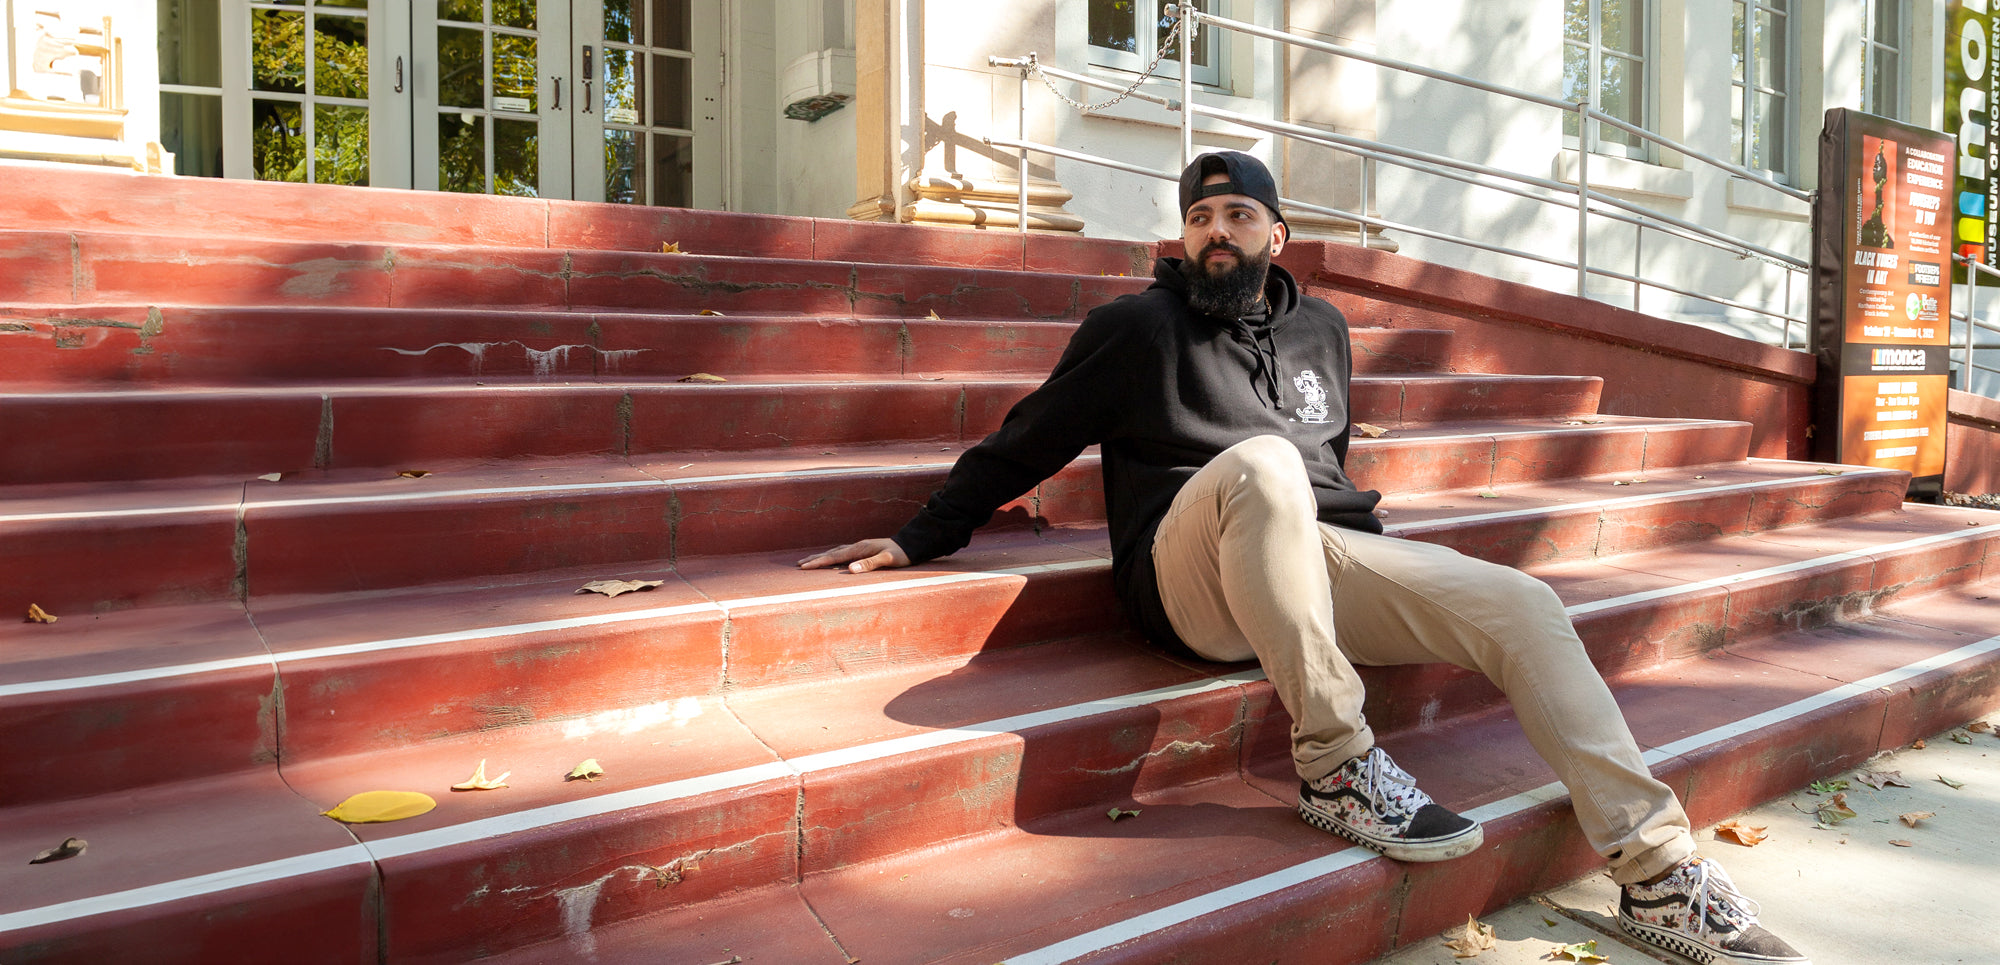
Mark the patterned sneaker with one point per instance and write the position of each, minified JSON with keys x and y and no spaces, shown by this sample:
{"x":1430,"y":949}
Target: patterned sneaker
{"x":1372,"y":802}
{"x":1697,"y":912}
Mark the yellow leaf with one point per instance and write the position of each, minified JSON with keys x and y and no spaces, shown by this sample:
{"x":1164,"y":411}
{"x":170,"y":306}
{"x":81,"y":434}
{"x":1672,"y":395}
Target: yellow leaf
{"x":1831,"y":472}
{"x":670,"y":247}
{"x":272,"y":476}
{"x":1579,"y":952}
{"x":934,"y":316}
{"x":478,"y":781}
{"x":615,"y":587}
{"x":1741,"y":833}
{"x":589,"y":770}
{"x":1913,"y":817}
{"x":374,"y":807}
{"x":1475,"y":937}
{"x":414,"y":473}
{"x":38,"y":615}
{"x":1900,"y":843}
{"x":1372,"y":432}
{"x":703,"y":377}
{"x":711,"y":311}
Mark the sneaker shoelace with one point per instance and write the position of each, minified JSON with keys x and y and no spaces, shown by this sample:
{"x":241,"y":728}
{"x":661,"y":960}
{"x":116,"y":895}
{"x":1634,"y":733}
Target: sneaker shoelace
{"x":1713,"y":890}
{"x":1381,"y":780}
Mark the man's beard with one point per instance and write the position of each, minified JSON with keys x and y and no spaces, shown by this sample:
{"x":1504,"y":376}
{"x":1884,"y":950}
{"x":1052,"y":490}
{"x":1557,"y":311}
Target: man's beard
{"x":1233,"y":293}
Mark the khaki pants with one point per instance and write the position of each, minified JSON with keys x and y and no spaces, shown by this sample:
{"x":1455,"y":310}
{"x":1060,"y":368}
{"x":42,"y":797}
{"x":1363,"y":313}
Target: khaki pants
{"x":1246,"y":570}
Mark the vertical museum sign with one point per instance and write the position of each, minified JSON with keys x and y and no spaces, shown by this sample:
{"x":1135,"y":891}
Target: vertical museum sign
{"x":1969,"y":113}
{"x":1882,"y":247}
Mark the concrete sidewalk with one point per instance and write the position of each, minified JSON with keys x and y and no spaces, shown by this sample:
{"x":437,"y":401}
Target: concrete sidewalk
{"x":1844,"y":896}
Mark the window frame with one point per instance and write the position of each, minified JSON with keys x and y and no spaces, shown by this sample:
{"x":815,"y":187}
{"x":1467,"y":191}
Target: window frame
{"x":1594,"y":55}
{"x":1871,"y":47}
{"x":1744,"y":91}
{"x":1145,"y":19}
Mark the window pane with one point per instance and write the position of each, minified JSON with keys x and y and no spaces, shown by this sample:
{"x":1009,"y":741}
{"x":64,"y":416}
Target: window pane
{"x":190,"y":47}
{"x":340,"y":57}
{"x":673,"y":170}
{"x":1113,"y":23}
{"x":277,"y":141}
{"x":191,"y":128}
{"x":514,"y":13}
{"x":461,"y":67}
{"x":673,"y":93}
{"x":670,"y":24}
{"x":462,"y":152}
{"x":1768,"y":137}
{"x":514,"y":71}
{"x":467,"y":11}
{"x":515,"y":158}
{"x":1621,"y":97}
{"x":1624,"y":26}
{"x":1736,"y":127}
{"x":1736,"y":49}
{"x":621,"y":87}
{"x":1167,"y":25}
{"x":357,"y":4}
{"x":340,"y":145}
{"x":1576,"y":21}
{"x":624,"y":177}
{"x":1889,"y":22}
{"x":278,"y":50}
{"x":1884,"y":90}
{"x":1770,"y":50}
{"x":618,"y":21}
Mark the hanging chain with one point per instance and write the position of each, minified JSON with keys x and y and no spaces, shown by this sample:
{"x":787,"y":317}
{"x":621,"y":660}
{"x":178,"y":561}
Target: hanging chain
{"x":1172,"y":38}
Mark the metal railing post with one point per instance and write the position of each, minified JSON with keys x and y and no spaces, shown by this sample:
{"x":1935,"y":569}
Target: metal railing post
{"x":1360,"y":228}
{"x":1021,"y":131}
{"x":1582,"y":198}
{"x":1188,"y":24}
{"x":1971,"y":320}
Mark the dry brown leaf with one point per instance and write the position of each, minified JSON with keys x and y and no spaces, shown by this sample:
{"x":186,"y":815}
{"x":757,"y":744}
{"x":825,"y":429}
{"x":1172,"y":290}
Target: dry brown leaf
{"x":1741,"y":833}
{"x":1372,"y":432}
{"x":38,"y":615}
{"x":1979,"y":727}
{"x":1881,"y":779}
{"x":70,"y":848}
{"x":1917,"y":745}
{"x":1900,"y":843}
{"x":589,"y":770}
{"x":670,"y":247}
{"x":934,"y":316}
{"x":414,"y":473}
{"x":1913,"y":817}
{"x":1832,"y":472}
{"x":479,"y":782}
{"x":711,"y":311}
{"x":1475,"y":937}
{"x":272,"y":476}
{"x":615,"y":587}
{"x":703,"y":377}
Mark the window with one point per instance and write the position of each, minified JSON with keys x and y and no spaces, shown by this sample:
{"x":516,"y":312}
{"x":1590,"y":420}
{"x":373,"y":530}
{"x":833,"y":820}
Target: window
{"x":1128,"y":34}
{"x":1605,"y":46}
{"x":1759,"y":111}
{"x":1882,"y":59}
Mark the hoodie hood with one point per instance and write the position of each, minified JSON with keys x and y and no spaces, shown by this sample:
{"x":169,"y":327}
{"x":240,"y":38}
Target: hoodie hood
{"x":1254,"y":332}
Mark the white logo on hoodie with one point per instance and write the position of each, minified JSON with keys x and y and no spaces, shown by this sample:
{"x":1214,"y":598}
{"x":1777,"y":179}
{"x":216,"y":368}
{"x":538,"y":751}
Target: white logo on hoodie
{"x":1315,"y":393}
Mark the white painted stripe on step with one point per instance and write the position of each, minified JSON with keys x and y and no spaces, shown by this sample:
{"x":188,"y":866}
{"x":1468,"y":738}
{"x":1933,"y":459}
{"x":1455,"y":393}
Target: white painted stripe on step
{"x":1185,"y":911}
{"x":1732,"y":579}
{"x":256,"y":874}
{"x":517,"y":629}
{"x":1054,"y":715}
{"x":1618,"y":501}
{"x":229,"y":507}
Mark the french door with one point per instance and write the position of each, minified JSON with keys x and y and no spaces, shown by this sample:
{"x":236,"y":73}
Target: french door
{"x":598,"y":100}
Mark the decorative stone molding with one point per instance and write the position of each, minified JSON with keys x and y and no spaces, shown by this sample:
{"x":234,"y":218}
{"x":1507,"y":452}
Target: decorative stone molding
{"x":64,"y":73}
{"x":957,"y":200}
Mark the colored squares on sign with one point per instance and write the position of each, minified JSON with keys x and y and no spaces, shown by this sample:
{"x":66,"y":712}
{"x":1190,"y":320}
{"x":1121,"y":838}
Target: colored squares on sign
{"x":1972,"y":204}
{"x":1972,"y":230}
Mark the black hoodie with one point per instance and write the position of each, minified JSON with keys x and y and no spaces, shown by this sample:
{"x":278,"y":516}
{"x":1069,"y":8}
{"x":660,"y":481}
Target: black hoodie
{"x":1163,"y":389}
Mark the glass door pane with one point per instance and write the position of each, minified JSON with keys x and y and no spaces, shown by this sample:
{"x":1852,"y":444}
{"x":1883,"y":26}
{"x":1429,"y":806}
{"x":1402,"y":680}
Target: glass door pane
{"x":482,"y":118}
{"x":309,"y":90}
{"x":657,"y":63}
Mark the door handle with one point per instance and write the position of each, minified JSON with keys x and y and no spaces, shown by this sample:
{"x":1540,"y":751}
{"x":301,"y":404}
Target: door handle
{"x":557,"y":83}
{"x":589,"y":74}
{"x":399,"y":75}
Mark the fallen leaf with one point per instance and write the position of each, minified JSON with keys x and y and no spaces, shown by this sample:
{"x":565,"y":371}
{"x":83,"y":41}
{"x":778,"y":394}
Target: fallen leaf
{"x":1475,"y":937}
{"x":1548,"y":921}
{"x":1881,"y":779}
{"x":1372,"y":432}
{"x":1489,"y":494}
{"x":615,"y":587}
{"x":1114,"y":814}
{"x":589,"y":770}
{"x":478,"y":781}
{"x":1620,"y":482}
{"x":1948,"y":782}
{"x":1741,"y":833}
{"x":70,"y":848}
{"x":375,"y":807}
{"x":1960,"y":737}
{"x":414,"y":473}
{"x":1701,"y":477}
{"x":934,"y":316}
{"x":670,"y":247}
{"x":1917,"y":745}
{"x":1833,"y":810}
{"x":711,"y":311}
{"x":38,"y":615}
{"x":1827,"y":787}
{"x":1832,"y":472}
{"x":1579,"y":952}
{"x":1900,"y":843}
{"x":1979,"y":727}
{"x":702,"y":377}
{"x":1913,"y":817}
{"x":272,"y":476}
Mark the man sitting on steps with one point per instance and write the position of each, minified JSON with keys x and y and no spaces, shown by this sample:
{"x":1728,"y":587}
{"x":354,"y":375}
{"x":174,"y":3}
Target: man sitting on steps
{"x":1219,"y":397}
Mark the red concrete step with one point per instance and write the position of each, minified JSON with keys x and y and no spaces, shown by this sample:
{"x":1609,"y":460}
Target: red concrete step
{"x":55,"y":199}
{"x":77,"y":435}
{"x":102,"y":344}
{"x":1215,"y":871}
{"x":88,"y":268}
{"x":661,"y":829}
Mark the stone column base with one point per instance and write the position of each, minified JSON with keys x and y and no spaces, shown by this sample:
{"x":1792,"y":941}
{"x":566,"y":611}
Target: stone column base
{"x":949,"y":200}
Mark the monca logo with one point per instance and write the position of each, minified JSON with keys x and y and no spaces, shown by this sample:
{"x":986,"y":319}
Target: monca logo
{"x":1897,"y":358}
{"x":1968,"y":90}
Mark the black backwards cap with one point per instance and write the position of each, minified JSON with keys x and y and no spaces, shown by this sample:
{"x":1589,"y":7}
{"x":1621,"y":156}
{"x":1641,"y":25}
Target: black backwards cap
{"x":1247,"y":176}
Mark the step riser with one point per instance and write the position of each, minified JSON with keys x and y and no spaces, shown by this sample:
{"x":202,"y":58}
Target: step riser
{"x":121,"y":344}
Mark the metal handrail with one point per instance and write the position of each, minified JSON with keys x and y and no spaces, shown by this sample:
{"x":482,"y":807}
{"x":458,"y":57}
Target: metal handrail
{"x":1579,"y":195}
